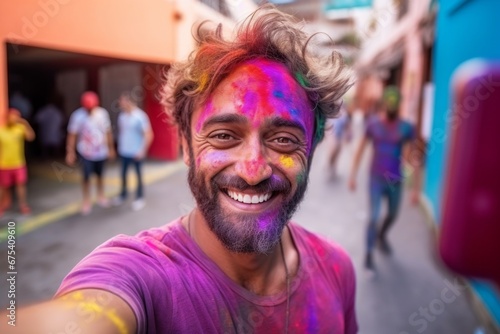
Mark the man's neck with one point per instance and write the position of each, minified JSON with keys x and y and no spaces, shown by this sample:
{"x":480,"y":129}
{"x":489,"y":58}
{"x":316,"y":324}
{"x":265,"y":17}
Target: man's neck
{"x":259,"y":273}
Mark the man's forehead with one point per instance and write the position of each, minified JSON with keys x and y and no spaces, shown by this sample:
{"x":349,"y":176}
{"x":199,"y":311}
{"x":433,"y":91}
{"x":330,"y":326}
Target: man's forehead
{"x":261,"y":77}
{"x":263,"y":69}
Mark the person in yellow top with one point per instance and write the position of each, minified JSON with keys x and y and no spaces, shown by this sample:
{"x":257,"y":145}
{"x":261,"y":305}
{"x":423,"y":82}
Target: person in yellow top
{"x":12,"y":162}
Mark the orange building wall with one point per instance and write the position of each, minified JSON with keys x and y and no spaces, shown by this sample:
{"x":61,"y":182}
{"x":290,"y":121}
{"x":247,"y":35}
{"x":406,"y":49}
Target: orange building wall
{"x":127,"y":29}
{"x":3,"y":84}
{"x":117,"y":28}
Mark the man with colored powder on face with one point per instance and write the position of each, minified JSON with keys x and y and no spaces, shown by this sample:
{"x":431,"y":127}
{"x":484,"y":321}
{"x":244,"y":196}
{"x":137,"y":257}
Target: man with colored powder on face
{"x":389,"y":135}
{"x":235,"y":264}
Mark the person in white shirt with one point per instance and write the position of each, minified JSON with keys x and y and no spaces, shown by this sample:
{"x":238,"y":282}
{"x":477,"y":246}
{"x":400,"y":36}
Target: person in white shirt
{"x":134,"y":138}
{"x":89,"y":131}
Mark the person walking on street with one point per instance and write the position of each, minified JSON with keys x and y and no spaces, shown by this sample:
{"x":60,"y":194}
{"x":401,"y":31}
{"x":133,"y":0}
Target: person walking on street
{"x":134,"y":137}
{"x":13,"y":171}
{"x":389,"y":134}
{"x":341,"y":132}
{"x":89,"y":135}
{"x":251,"y":112}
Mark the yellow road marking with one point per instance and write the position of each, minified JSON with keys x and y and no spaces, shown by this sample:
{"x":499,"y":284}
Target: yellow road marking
{"x":51,"y":216}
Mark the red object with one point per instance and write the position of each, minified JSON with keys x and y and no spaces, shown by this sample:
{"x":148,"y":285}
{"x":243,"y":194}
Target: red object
{"x":165,"y":145}
{"x":11,"y":177}
{"x":470,"y":234}
{"x":89,"y":100}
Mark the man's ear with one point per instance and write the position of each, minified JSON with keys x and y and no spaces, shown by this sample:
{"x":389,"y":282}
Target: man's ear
{"x":185,"y":151}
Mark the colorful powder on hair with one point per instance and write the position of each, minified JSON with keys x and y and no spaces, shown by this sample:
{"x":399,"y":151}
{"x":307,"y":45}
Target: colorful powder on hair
{"x":287,"y":161}
{"x":320,"y":126}
{"x":300,"y":78}
{"x":203,"y":82}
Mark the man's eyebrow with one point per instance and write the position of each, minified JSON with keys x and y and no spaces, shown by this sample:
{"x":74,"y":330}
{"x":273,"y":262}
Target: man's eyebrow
{"x":225,"y":118}
{"x":282,"y":122}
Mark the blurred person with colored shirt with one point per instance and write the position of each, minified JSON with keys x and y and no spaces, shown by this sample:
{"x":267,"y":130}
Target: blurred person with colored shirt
{"x":389,"y":135}
{"x":13,"y":171}
{"x":134,"y":137}
{"x":89,"y":136}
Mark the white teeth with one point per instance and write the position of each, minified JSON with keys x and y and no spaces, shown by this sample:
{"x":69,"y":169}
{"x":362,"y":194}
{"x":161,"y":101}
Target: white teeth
{"x":248,"y":199}
{"x":255,"y":199}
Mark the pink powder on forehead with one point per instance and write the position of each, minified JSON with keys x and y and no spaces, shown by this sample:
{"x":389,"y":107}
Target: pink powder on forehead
{"x":205,"y":113}
{"x":275,"y":87}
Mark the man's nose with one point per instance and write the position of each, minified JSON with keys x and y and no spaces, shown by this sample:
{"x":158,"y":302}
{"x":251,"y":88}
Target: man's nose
{"x":253,"y":166}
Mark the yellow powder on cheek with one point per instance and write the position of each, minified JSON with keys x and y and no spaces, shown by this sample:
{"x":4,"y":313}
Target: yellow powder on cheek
{"x":286,"y":161}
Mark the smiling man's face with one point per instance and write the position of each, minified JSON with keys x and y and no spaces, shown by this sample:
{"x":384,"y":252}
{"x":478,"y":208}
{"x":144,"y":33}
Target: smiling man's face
{"x":249,"y":153}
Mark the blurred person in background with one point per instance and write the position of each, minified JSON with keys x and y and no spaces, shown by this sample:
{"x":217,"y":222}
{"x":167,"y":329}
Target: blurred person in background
{"x":389,"y":135}
{"x":13,"y":171}
{"x":251,"y":112}
{"x":134,"y":138}
{"x":341,"y":129}
{"x":49,"y":122}
{"x":22,"y":103}
{"x":89,"y":135}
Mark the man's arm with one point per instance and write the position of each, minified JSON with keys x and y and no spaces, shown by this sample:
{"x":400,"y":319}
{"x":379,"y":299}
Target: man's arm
{"x":357,"y":162}
{"x":29,"y":134}
{"x":148,"y":139}
{"x":82,"y":311}
{"x":111,"y":145}
{"x":414,"y":162}
{"x":70,"y":149}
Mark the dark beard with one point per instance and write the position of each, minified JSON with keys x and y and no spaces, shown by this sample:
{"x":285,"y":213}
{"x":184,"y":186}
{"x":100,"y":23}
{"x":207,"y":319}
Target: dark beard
{"x":245,"y":233}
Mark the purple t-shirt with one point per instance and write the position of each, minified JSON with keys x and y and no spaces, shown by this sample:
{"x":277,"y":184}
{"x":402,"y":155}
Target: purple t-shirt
{"x":173,"y":287}
{"x":388,"y":139}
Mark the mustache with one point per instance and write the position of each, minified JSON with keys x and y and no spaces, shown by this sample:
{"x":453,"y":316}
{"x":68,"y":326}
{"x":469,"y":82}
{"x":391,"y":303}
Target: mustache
{"x":273,"y":184}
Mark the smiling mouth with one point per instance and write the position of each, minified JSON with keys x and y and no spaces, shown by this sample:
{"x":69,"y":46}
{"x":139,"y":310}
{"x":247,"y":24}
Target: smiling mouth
{"x":249,"y":198}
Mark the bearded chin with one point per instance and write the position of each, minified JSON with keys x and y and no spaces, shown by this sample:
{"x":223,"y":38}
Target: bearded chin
{"x":241,"y":232}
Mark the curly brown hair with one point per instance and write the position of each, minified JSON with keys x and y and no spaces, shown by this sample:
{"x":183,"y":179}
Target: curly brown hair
{"x":267,"y":33}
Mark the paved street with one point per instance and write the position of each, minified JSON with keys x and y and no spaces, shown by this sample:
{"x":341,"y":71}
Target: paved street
{"x":410,"y":294}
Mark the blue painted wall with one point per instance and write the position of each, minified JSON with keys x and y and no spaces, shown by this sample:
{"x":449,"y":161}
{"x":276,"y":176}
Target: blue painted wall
{"x":465,"y":29}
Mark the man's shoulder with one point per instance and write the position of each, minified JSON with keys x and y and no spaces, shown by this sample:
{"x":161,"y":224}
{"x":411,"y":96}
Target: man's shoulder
{"x":319,"y":246}
{"x":138,"y":111}
{"x":146,"y":242}
{"x":100,"y":111}
{"x":407,"y":126}
{"x":78,"y":114}
{"x":373,"y":121}
{"x":19,"y":128}
{"x":141,"y":114}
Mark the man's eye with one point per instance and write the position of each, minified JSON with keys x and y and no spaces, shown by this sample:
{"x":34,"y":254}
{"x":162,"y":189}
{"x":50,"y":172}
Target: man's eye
{"x":223,"y":136}
{"x":284,"y":140}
